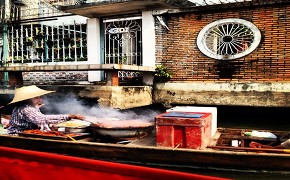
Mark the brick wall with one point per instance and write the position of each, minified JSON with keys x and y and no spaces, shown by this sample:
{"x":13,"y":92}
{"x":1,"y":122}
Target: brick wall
{"x":59,"y":77}
{"x":270,"y":62}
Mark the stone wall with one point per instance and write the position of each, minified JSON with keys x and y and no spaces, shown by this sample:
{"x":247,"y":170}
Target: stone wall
{"x":58,"y":77}
{"x":119,"y":97}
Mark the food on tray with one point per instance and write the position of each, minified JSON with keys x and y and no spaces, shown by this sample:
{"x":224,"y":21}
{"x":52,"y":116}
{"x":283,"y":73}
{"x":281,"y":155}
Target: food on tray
{"x":73,"y":124}
{"x":95,"y":120}
{"x":48,"y":133}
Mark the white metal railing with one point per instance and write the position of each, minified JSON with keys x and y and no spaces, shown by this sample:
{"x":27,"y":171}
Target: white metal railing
{"x":38,"y":43}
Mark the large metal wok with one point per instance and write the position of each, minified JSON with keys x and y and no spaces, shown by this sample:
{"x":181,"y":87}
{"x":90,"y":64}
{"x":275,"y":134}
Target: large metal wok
{"x":116,"y":128}
{"x":124,"y":132}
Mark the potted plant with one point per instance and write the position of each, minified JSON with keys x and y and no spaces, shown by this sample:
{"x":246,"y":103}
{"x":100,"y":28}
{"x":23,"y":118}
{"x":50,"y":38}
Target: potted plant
{"x":78,"y":39}
{"x":17,"y":59}
{"x":66,"y":41}
{"x":49,"y":43}
{"x":162,"y":74}
{"x":39,"y":49}
{"x":29,"y":41}
{"x":39,"y":34}
{"x":82,"y":59}
{"x":68,"y":59}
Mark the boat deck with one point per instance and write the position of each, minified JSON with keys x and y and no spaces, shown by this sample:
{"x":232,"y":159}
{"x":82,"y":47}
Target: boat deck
{"x":149,"y":140}
{"x":224,"y":137}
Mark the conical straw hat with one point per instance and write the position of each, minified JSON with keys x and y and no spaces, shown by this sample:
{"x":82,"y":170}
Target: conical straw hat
{"x":28,"y":92}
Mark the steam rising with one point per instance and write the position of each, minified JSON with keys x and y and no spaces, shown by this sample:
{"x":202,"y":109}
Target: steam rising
{"x":69,"y":104}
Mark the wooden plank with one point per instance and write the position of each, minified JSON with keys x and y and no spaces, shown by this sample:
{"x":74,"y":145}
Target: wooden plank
{"x":237,"y":137}
{"x":250,"y":149}
{"x":215,"y":139}
{"x":146,"y":141}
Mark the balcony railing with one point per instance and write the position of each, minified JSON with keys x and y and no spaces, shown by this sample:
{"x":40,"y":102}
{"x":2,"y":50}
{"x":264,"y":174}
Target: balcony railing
{"x":37,"y":43}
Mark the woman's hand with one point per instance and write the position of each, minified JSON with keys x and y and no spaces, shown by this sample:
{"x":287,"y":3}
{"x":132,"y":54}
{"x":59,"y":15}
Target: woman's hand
{"x":76,"y":116}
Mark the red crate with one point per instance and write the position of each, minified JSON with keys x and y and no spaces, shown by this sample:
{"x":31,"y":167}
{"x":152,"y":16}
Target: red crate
{"x":183,"y":129}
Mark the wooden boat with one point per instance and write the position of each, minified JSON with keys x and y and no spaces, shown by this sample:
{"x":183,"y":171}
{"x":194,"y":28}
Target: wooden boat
{"x":143,"y":151}
{"x":27,"y":164}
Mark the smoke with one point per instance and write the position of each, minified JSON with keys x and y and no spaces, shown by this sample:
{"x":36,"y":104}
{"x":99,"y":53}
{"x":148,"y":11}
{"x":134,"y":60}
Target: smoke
{"x":70,"y":104}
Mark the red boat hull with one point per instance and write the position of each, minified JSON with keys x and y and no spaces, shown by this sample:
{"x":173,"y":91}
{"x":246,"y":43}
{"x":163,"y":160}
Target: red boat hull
{"x":26,"y":164}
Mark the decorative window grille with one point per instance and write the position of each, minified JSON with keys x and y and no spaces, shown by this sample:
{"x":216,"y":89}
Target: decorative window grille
{"x":36,"y":43}
{"x":123,"y":43}
{"x":228,"y":39}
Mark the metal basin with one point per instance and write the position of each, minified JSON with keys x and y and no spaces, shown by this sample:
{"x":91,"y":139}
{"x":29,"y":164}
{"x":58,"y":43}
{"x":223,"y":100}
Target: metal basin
{"x":72,"y":126}
{"x":76,"y":130}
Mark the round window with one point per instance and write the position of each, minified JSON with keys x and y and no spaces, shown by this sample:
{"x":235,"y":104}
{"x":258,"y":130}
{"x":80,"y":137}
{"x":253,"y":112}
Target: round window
{"x":228,"y":39}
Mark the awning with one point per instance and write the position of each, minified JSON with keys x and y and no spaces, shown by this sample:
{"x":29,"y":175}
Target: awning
{"x":98,"y":8}
{"x":107,"y":8}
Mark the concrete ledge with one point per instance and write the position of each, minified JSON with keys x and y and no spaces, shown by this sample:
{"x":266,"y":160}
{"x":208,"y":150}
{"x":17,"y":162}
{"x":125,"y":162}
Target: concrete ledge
{"x":119,"y":97}
{"x":82,"y":67}
{"x":230,"y":87}
{"x":230,"y":94}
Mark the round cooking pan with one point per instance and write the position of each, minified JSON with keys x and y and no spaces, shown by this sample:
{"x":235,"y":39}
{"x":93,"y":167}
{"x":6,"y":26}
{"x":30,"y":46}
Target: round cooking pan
{"x":123,"y":128}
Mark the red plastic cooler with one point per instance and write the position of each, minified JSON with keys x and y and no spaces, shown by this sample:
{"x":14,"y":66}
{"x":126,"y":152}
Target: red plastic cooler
{"x":183,"y":129}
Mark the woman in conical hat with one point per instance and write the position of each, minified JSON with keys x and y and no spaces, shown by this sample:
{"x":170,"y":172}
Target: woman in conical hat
{"x":26,"y":114}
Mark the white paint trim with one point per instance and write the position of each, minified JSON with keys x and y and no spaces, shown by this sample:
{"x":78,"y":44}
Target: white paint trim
{"x":94,"y":47}
{"x":148,"y":38}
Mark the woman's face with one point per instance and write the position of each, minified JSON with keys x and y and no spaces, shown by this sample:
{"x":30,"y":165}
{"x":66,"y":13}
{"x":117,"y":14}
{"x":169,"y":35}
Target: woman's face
{"x":37,"y":101}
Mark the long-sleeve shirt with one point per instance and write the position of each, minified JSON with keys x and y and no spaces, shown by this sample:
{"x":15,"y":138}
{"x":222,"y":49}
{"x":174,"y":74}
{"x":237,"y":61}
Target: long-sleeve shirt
{"x":28,"y":117}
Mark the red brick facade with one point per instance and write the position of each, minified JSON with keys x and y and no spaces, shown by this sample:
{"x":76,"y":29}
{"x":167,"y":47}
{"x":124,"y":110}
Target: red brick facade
{"x":270,"y":62}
